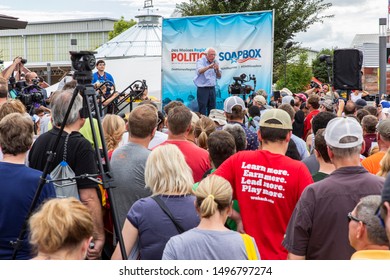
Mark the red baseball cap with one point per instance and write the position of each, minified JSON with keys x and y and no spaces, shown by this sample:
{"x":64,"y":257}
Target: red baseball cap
{"x":301,"y":96}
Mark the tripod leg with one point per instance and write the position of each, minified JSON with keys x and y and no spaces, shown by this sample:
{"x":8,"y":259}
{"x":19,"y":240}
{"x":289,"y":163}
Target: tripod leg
{"x":107,"y":178}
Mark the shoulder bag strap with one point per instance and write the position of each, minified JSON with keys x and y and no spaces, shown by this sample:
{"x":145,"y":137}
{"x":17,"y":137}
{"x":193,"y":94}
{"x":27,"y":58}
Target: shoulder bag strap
{"x":249,"y":247}
{"x":168,"y":213}
{"x":66,"y":147}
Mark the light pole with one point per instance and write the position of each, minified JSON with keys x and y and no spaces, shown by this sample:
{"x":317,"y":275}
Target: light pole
{"x":382,"y":57}
{"x":286,"y":47}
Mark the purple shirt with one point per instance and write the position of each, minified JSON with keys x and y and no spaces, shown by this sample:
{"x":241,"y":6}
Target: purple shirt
{"x":368,"y":139}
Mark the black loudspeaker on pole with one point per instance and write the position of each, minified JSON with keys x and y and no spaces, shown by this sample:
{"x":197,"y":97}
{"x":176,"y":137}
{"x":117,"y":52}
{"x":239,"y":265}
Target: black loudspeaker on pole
{"x":347,"y":67}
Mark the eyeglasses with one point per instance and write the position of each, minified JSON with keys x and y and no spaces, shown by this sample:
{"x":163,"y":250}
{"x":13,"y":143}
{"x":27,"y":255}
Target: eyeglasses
{"x":353,"y":218}
{"x":379,"y":215}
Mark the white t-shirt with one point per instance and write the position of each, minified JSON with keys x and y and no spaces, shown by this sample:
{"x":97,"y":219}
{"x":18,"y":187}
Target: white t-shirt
{"x":356,"y":97}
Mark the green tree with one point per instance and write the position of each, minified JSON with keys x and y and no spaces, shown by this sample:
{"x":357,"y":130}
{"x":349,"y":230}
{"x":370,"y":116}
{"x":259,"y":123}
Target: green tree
{"x":291,"y":17}
{"x":320,"y":67}
{"x":298,"y":75}
{"x":120,"y":26}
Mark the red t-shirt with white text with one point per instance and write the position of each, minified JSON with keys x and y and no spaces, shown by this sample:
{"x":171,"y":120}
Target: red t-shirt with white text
{"x":267,"y":187}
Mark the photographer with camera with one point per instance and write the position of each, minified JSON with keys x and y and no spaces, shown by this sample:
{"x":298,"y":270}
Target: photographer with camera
{"x":32,"y":79}
{"x":15,"y":69}
{"x":31,"y":94}
{"x":207,"y":73}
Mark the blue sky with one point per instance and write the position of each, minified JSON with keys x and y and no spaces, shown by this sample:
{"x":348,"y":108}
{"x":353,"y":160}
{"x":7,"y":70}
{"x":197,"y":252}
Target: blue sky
{"x":351,"y":16}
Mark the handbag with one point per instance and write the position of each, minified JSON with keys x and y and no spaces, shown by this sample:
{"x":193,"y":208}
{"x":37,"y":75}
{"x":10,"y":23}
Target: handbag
{"x":163,"y":207}
{"x":249,"y":247}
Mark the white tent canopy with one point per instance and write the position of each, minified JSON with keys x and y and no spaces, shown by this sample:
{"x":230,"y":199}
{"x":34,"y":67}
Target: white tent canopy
{"x":136,"y":55}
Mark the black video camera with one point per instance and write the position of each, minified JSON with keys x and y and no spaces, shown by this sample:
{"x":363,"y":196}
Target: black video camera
{"x":35,"y":81}
{"x":22,"y":60}
{"x":31,"y":96}
{"x":314,"y":84}
{"x":239,"y":87}
{"x":83,"y":62}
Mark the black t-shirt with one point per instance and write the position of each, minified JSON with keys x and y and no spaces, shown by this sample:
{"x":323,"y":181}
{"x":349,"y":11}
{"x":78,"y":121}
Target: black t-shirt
{"x":80,"y":155}
{"x":298,"y":125}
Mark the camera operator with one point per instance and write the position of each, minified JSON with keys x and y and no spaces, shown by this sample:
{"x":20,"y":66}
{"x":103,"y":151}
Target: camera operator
{"x":33,"y":79}
{"x":314,"y":87}
{"x":15,"y":69}
{"x":322,"y":90}
{"x":32,"y":95}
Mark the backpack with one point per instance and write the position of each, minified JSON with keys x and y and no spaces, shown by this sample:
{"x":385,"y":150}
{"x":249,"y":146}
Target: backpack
{"x":63,"y":177}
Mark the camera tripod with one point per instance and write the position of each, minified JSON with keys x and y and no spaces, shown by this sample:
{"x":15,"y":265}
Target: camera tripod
{"x":83,"y":62}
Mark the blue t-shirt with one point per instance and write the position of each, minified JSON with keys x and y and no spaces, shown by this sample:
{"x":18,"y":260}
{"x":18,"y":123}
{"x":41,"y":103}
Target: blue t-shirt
{"x":18,"y":185}
{"x":106,"y":77}
{"x":155,"y":228}
{"x":101,"y":79}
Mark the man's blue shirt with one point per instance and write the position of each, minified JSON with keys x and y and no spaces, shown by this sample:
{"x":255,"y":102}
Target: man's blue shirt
{"x":101,"y":79}
{"x":208,"y":78}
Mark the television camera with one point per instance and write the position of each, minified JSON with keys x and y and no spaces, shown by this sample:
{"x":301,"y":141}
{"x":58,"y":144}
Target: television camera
{"x":239,"y":87}
{"x":31,"y":96}
{"x":83,"y":62}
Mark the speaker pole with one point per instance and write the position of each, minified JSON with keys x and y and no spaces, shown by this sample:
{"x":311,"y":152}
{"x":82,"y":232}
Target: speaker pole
{"x":382,"y":58}
{"x":286,"y":47}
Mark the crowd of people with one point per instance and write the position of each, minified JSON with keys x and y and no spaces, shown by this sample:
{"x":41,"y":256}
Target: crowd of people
{"x":300,"y":176}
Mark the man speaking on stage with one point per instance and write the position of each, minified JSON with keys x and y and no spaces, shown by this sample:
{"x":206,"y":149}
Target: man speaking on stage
{"x":207,"y":73}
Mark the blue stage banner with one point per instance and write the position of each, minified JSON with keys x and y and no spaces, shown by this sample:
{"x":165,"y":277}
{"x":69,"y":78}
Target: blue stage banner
{"x":244,"y":45}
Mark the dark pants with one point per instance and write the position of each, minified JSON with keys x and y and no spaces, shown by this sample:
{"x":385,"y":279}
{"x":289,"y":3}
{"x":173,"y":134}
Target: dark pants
{"x":206,"y":99}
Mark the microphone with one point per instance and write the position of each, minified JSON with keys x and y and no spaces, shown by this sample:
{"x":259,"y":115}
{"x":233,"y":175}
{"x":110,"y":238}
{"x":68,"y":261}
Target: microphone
{"x":215,"y":62}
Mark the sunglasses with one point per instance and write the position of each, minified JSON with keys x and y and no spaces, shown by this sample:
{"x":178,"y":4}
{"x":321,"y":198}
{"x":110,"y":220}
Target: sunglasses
{"x":353,"y":218}
{"x":378,"y":213}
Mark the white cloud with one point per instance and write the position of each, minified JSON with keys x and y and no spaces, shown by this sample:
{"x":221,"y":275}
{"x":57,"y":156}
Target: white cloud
{"x":339,"y":31}
{"x":351,"y":16}
{"x":348,"y":3}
